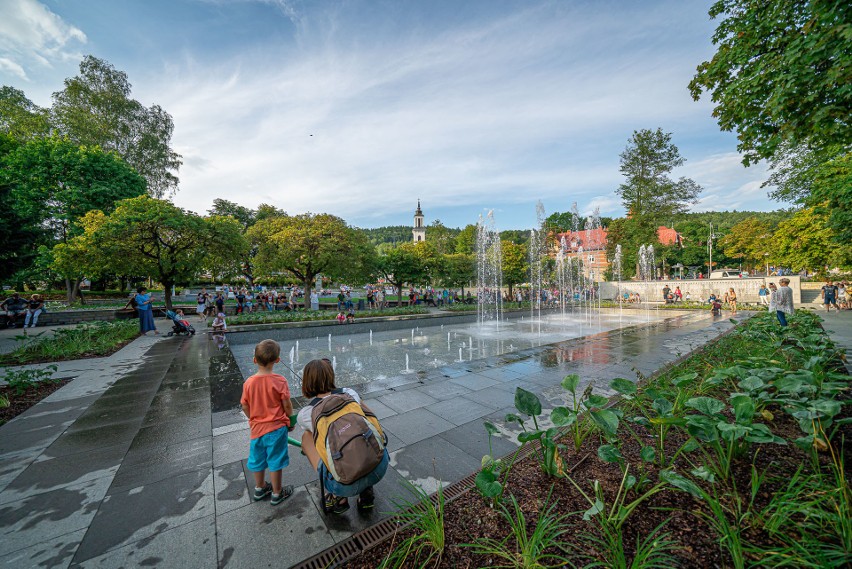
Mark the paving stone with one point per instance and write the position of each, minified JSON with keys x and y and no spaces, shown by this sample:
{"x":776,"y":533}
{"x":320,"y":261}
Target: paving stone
{"x":472,"y":438}
{"x":190,"y":545}
{"x":443,"y":389}
{"x":261,"y":535}
{"x":460,"y":410}
{"x":231,"y":447}
{"x":51,"y":474}
{"x":163,"y":454}
{"x":55,"y":552}
{"x":380,"y":409}
{"x":155,"y":507}
{"x":42,"y":517}
{"x":474,"y":382}
{"x":415,"y":425}
{"x":493,"y":398}
{"x":433,"y":461}
{"x":175,"y":431}
{"x":407,"y":400}
{"x":75,"y":440}
{"x":174,"y":461}
{"x":231,"y":487}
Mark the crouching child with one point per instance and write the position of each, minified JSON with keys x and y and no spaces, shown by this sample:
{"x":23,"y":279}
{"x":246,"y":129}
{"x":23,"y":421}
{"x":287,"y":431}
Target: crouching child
{"x":343,"y":440}
{"x":266,"y":403}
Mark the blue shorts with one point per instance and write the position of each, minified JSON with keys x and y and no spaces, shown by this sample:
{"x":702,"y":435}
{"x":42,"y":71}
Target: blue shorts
{"x":346,"y":490}
{"x":269,"y":452}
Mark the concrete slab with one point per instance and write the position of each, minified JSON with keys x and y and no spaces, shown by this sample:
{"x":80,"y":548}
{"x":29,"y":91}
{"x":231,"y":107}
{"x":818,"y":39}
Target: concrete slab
{"x":415,"y":425}
{"x":406,"y":400}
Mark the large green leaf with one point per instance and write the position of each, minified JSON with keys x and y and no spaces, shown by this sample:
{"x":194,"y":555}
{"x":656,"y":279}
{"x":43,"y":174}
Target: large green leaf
{"x":648,"y":454}
{"x":570,"y":382}
{"x":562,"y":416}
{"x":528,"y":436}
{"x":731,"y":431}
{"x":491,"y":428}
{"x":596,"y":509}
{"x":662,"y":406}
{"x":606,"y":420}
{"x":751,"y":383}
{"x":595,"y":401}
{"x":684,"y":379}
{"x":623,"y":386}
{"x":487,"y":484}
{"x":609,"y":453}
{"x":760,"y":433}
{"x":526,"y":402}
{"x":706,"y":405}
{"x":702,"y":428}
{"x":743,"y":408}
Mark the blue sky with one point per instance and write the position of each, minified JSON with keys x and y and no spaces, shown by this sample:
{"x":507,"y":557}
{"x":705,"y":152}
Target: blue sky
{"x":359,"y":108}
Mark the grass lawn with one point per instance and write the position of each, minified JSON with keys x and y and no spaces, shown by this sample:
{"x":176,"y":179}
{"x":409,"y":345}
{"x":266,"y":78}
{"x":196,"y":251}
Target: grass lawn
{"x":83,"y":341}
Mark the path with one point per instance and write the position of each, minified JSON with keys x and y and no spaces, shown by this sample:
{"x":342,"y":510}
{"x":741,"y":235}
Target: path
{"x":127,"y":465}
{"x":839,"y":328}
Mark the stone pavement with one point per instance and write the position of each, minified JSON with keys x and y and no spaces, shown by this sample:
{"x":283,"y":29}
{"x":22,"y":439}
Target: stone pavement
{"x":128,"y":465}
{"x":839,"y":327}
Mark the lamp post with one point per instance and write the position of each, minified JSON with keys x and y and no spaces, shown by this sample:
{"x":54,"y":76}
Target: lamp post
{"x":710,"y":239}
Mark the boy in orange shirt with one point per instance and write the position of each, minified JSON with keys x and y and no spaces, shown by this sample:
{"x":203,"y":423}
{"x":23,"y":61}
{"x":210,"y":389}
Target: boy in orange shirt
{"x":266,"y":403}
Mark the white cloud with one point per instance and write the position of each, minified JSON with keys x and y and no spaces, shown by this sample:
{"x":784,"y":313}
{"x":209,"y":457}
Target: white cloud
{"x":728,"y":185}
{"x":10,"y":66}
{"x":31,"y":34}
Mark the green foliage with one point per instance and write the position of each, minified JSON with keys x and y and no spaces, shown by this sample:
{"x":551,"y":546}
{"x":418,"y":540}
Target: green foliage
{"x":21,"y":118}
{"x":95,"y":109}
{"x":457,"y":270}
{"x":410,"y":263}
{"x":529,"y":404}
{"x":426,"y":518}
{"x":515,"y":264}
{"x":390,"y":234}
{"x":308,"y":244}
{"x":84,"y":340}
{"x":647,"y":193}
{"x":522,"y":549}
{"x":781,"y":74}
{"x":263,"y":317}
{"x":20,"y":380}
{"x":804,"y":241}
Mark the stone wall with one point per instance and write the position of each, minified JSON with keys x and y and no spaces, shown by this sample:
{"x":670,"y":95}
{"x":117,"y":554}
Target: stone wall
{"x":699,"y":289}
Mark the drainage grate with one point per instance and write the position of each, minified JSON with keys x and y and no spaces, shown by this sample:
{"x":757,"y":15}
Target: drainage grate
{"x":334,"y":556}
{"x":374,"y":535}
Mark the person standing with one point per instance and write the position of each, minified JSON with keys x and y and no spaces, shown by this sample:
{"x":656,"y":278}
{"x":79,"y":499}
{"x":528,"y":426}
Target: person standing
{"x":842,"y":295}
{"x":201,"y":304}
{"x":763,"y":293}
{"x":666,"y":291}
{"x":220,"y":303}
{"x":829,"y":296}
{"x":146,"y":314}
{"x":784,"y":301}
{"x":731,"y":300}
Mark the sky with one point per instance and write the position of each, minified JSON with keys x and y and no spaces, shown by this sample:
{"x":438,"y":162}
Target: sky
{"x":361,"y":107}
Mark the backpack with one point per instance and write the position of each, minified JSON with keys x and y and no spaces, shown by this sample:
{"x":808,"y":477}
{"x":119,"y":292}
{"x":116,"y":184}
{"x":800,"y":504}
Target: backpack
{"x":347,"y":435}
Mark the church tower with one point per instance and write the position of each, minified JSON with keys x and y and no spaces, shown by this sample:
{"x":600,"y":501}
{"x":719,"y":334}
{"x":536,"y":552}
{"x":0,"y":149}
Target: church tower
{"x":419,"y":231}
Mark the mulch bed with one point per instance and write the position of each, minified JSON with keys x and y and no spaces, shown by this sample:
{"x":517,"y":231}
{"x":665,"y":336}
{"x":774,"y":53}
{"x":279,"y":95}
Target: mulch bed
{"x":469,"y":517}
{"x":20,"y":403}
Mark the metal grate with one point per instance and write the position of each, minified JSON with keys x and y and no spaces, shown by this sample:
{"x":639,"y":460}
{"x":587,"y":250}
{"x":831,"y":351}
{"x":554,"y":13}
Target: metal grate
{"x":334,"y":556}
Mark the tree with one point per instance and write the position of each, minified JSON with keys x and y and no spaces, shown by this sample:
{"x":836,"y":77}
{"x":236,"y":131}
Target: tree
{"x":152,"y":237}
{"x":442,"y":238}
{"x":648,"y":194}
{"x":410,"y":263}
{"x":750,"y":241}
{"x":466,"y":239}
{"x":21,"y":118}
{"x":52,"y":183}
{"x":310,"y":244}
{"x":804,"y":242}
{"x":458,"y":270}
{"x":95,"y":109}
{"x":515,"y":264}
{"x":246,"y":218}
{"x":781,"y":74}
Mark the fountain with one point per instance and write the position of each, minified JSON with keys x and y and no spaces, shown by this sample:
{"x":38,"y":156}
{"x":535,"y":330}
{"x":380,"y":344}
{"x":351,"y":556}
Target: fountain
{"x":647,"y":270}
{"x":616,"y":274}
{"x":489,"y":272}
{"x":329,"y":342}
{"x":538,"y":235}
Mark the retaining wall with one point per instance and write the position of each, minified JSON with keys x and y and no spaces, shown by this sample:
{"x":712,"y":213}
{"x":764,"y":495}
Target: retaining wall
{"x":699,"y":289}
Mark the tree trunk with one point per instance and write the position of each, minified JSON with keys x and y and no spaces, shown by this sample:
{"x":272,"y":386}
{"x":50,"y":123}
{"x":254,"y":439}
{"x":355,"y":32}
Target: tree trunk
{"x":122,"y":284}
{"x":167,"y":294}
{"x":307,"y":286}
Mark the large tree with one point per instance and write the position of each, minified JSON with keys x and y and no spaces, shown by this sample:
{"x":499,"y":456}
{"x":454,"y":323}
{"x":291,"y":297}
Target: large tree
{"x":803,"y":242}
{"x":309,"y":244}
{"x":95,"y":109}
{"x":21,"y":118}
{"x":515,"y":264}
{"x":409,"y":263}
{"x":750,"y":241}
{"x":151,"y":237}
{"x":648,"y":193}
{"x":782,"y":79}
{"x":781,"y":74}
{"x":52,"y":183}
{"x":457,"y":270}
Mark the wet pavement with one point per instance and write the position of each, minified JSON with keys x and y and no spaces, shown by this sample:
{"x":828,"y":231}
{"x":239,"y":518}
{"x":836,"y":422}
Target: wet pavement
{"x":141,"y":462}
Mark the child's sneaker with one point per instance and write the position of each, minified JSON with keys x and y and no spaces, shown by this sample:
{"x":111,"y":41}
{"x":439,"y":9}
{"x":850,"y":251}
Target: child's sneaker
{"x":286,"y":492}
{"x":261,"y":493}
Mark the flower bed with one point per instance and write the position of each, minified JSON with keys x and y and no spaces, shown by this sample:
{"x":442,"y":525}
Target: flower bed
{"x":312,"y":315}
{"x":733,"y":458}
{"x":95,"y":339}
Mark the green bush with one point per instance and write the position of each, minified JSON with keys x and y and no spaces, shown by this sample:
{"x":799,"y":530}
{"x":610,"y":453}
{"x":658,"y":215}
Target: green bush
{"x":85,"y":340}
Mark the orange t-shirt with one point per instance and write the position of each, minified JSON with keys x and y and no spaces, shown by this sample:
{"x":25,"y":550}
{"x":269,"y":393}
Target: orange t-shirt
{"x":263,"y":394}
